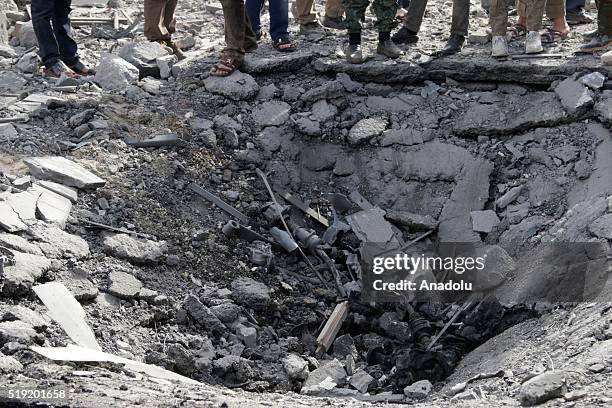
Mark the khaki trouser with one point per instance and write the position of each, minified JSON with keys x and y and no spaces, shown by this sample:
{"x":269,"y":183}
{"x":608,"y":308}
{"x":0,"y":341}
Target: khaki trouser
{"x":533,"y":9}
{"x":554,"y":8}
{"x":459,"y":24}
{"x":238,"y":32}
{"x":159,"y":21}
{"x":306,"y":13}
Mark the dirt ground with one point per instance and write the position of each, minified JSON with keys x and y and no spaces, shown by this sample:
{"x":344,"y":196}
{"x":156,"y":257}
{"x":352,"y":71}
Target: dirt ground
{"x":440,"y":138}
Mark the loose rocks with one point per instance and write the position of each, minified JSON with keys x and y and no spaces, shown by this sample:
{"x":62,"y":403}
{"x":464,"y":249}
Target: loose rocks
{"x":143,"y":55}
{"x":365,"y":130}
{"x":238,"y":86}
{"x":250,"y":293}
{"x":123,"y":285}
{"x":136,"y":250}
{"x":543,"y":387}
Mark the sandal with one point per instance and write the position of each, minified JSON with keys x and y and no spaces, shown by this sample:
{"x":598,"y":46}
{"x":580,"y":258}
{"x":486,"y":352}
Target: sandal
{"x":226,"y":66}
{"x":553,"y":36}
{"x":284,"y":44}
{"x":517,"y":30}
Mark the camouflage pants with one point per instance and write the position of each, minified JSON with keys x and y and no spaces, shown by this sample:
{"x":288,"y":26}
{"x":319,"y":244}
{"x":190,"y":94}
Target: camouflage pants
{"x":383,"y":9}
{"x":604,"y":17}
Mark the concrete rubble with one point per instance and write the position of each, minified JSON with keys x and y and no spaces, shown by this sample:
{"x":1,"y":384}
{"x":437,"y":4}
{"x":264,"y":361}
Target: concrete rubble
{"x":452,"y":156}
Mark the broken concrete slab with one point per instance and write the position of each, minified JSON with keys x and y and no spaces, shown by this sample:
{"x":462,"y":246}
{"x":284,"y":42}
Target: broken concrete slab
{"x":508,"y":197}
{"x":514,"y":115}
{"x":602,"y":227}
{"x":370,"y":226}
{"x":332,"y":369}
{"x":361,"y":381}
{"x":399,"y":103}
{"x":273,"y":113}
{"x":405,"y":137}
{"x":23,"y":203}
{"x":543,"y":387}
{"x":250,"y":293}
{"x":143,"y":55}
{"x":594,"y":80}
{"x":366,"y":129}
{"x":51,"y":207}
{"x":603,"y":108}
{"x":575,"y":97}
{"x":65,"y":191}
{"x":24,"y":314}
{"x":373,"y":71}
{"x":484,"y":221}
{"x":418,"y":390}
{"x":414,"y":222}
{"x":114,"y":73}
{"x":64,"y":171}
{"x":56,"y":243}
{"x":19,"y":278}
{"x":9,"y":219}
{"x":65,"y":310}
{"x":139,"y":251}
{"x":18,"y":243}
{"x":77,"y":281}
{"x":254,"y":64}
{"x":19,"y":332}
{"x":295,"y":367}
{"x":123,"y":285}
{"x":238,"y":86}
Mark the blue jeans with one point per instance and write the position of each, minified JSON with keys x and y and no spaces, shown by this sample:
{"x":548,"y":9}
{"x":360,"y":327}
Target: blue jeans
{"x":279,"y":17}
{"x":574,"y":6}
{"x":53,"y":32}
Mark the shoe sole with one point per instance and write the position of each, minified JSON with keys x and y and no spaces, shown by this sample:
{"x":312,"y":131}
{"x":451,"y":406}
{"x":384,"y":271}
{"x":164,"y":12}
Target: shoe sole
{"x":534,"y":51}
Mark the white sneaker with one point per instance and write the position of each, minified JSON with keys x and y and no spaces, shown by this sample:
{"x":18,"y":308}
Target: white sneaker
{"x":499,"y":47}
{"x":533,"y":43}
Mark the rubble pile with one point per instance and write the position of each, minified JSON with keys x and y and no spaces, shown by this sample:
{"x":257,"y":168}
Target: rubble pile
{"x":219,"y":228}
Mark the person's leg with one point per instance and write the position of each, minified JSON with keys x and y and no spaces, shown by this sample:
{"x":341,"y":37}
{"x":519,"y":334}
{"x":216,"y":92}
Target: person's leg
{"x":415,"y":14}
{"x":253,"y":11}
{"x":354,"y":11}
{"x":604,"y":18}
{"x":535,"y":14}
{"x":169,"y":17}
{"x":235,"y":20}
{"x":63,"y":32}
{"x":385,"y":11}
{"x":305,"y":11}
{"x":154,"y":29}
{"x":574,"y":6}
{"x":498,"y":17}
{"x":279,"y":19}
{"x":334,"y":9}
{"x":461,"y":17}
{"x":555,"y":10}
{"x":42,"y":14}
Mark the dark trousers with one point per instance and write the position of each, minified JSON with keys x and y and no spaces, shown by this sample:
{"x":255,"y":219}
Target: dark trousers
{"x":159,"y":22}
{"x":238,"y":32}
{"x":53,"y":32}
{"x":279,"y":16}
{"x":604,"y":17}
{"x":574,"y":6}
{"x":459,"y":24}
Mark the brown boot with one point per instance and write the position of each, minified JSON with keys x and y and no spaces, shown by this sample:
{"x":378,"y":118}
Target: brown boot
{"x":176,"y":50}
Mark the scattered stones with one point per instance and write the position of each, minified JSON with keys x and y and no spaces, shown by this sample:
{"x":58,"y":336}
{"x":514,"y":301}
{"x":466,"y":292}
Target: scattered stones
{"x":366,"y":129}
{"x":332,"y":369}
{"x":238,"y":86}
{"x":143,"y":55}
{"x":484,"y":221}
{"x":139,"y":251}
{"x":418,"y":390}
{"x":114,"y":73}
{"x":202,"y":315}
{"x":123,"y":285}
{"x":575,"y":97}
{"x":594,"y":80}
{"x":9,"y":364}
{"x":361,"y":381}
{"x":165,"y":64}
{"x":543,"y":387}
{"x":64,"y":171}
{"x":274,"y":113}
{"x":295,"y":367}
{"x":250,"y":293}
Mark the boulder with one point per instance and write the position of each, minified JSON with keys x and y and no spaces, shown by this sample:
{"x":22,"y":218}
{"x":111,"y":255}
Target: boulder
{"x":143,"y":55}
{"x":114,"y":73}
{"x":238,"y":86}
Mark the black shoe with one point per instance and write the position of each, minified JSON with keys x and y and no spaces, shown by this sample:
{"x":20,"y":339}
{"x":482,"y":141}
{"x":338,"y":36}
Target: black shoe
{"x":335,"y":23}
{"x":56,"y":70}
{"x":311,"y":29}
{"x":453,"y":45}
{"x":81,"y":69}
{"x":405,"y":36}
{"x":580,"y":17}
